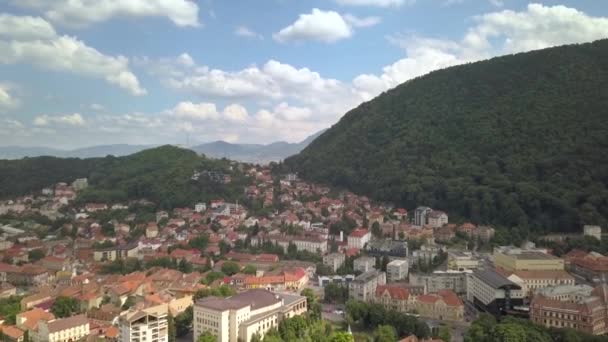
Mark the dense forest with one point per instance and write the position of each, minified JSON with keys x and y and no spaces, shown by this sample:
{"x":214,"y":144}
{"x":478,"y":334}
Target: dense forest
{"x":162,"y":175}
{"x":519,"y":140}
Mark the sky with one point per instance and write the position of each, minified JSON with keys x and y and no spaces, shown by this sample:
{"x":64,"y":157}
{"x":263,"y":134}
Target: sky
{"x":77,"y":73}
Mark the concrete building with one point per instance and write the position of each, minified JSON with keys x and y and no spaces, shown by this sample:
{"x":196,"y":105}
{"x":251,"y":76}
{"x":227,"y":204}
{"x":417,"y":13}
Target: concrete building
{"x":364,"y":264}
{"x":200,"y":207}
{"x":460,"y":261}
{"x":426,"y":253}
{"x":61,"y":330}
{"x":594,"y":231}
{"x":591,"y":266}
{"x":441,"y":280}
{"x":493,"y":293}
{"x":80,"y":184}
{"x":334,"y":260}
{"x":533,"y":281}
{"x":515,"y":259}
{"x":575,"y":307}
{"x":443,"y":305}
{"x":116,"y":252}
{"x":364,"y":286}
{"x":358,"y":238}
{"x":239,"y":317}
{"x":387,"y":247}
{"x":149,"y":325}
{"x":397,"y":270}
{"x":421,"y":216}
{"x":437,"y":219}
{"x":312,"y":244}
{"x":336,"y":279}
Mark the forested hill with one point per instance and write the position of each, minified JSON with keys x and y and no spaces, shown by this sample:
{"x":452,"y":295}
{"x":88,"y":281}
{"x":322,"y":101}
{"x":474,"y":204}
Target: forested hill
{"x":520,"y":140}
{"x":162,"y":175}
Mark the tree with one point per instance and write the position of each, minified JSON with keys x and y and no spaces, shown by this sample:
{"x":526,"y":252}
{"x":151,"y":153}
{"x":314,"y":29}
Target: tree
{"x":256,"y":338}
{"x":213,"y":276}
{"x":35,"y":255}
{"x":207,"y":337}
{"x":183,"y":322}
{"x":444,"y":334}
{"x":171,"y":328}
{"x":65,"y":307}
{"x":184,"y":266}
{"x":341,"y":337}
{"x":250,"y":269}
{"x":386,"y":333}
{"x":230,"y":268}
{"x":376,"y":230}
{"x":335,"y":293}
{"x":128,"y":303}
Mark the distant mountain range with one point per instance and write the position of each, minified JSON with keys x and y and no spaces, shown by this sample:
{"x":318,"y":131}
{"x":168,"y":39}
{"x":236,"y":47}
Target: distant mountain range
{"x":252,"y":153}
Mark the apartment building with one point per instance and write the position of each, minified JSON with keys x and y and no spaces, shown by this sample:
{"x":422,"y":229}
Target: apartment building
{"x":239,"y":317}
{"x":146,"y":325}
{"x":364,"y":264}
{"x":116,"y":252}
{"x":397,"y":270}
{"x":334,"y":260}
{"x":61,"y":330}
{"x":364,"y":286}
{"x":442,"y":280}
{"x":460,"y":261}
{"x":358,"y":238}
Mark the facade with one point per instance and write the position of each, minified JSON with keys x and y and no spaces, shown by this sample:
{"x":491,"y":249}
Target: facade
{"x":421,"y":216}
{"x":576,"y":307}
{"x":437,"y":218}
{"x":149,"y":325}
{"x":80,"y":184}
{"x":116,"y":253}
{"x":443,"y":305}
{"x":285,"y":281}
{"x":526,"y":260}
{"x":387,"y":247}
{"x":364,"y":286}
{"x":358,"y":238}
{"x":532,"y":281}
{"x":239,"y":317}
{"x":442,"y":280}
{"x":426,"y":253}
{"x":491,"y":292}
{"x":311,"y":244}
{"x":61,"y":330}
{"x":593,"y":267}
{"x":334,"y":260}
{"x":337,"y":279}
{"x":460,"y":261}
{"x":594,"y":231}
{"x":364,"y":264}
{"x":397,"y":270}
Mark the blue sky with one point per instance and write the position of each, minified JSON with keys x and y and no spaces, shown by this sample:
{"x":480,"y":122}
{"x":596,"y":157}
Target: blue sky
{"x":172,"y":71}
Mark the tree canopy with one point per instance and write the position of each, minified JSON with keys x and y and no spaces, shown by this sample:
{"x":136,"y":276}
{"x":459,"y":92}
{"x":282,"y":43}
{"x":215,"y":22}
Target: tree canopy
{"x":518,"y":140}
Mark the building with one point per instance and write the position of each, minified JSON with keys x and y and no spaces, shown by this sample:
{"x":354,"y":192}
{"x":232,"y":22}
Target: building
{"x":493,"y":293}
{"x":116,"y":252}
{"x":421,"y":216}
{"x":334,"y":260}
{"x":575,"y":307}
{"x":80,"y":184}
{"x":61,"y":330}
{"x":396,"y":270}
{"x":312,"y":244}
{"x":200,"y":207}
{"x":426,"y":253}
{"x":285,"y":281}
{"x":460,"y":261}
{"x":595,"y":231}
{"x":27,"y":275}
{"x":532,"y":281}
{"x":364,"y":286}
{"x":364,"y":264}
{"x":358,"y":238}
{"x":239,"y":317}
{"x":148,"y":325}
{"x":336,"y":279}
{"x":484,"y":233}
{"x":515,"y":259}
{"x":443,"y":305}
{"x":592,"y":266}
{"x":387,"y":247}
{"x":437,"y":218}
{"x":442,"y":280}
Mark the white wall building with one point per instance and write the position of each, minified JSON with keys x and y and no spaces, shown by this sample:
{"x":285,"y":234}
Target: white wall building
{"x":363,"y":288}
{"x":397,"y":270}
{"x":358,"y":238}
{"x":364,"y":264}
{"x":241,"y":316}
{"x":147,"y":325}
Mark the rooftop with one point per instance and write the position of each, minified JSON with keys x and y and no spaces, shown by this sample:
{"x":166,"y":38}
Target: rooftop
{"x":256,"y":298}
{"x":495,"y":279}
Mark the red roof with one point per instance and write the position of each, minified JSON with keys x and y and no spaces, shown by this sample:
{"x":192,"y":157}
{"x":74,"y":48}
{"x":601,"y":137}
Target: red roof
{"x":359,"y":232}
{"x":395,"y":292}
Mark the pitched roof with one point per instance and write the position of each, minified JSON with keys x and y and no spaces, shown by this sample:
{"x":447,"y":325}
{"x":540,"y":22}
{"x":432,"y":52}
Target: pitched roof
{"x":395,"y":292}
{"x":67,"y":323}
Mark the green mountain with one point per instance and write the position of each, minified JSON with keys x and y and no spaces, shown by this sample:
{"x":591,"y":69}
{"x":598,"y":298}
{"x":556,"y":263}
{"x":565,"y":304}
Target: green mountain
{"x":162,"y":175}
{"x":519,"y":140}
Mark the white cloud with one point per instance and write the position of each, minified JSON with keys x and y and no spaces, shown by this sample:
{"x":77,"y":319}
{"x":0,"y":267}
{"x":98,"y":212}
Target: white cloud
{"x":86,"y":12}
{"x":323,"y":26}
{"x":33,"y":41}
{"x":70,"y":119}
{"x":361,"y":22}
{"x":236,"y":113}
{"x":244,"y":31}
{"x":7,"y":99}
{"x":376,"y":3}
{"x":291,"y":113}
{"x":96,"y":107}
{"x":195,"y":111}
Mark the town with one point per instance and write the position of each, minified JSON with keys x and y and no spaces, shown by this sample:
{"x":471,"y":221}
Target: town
{"x":238,"y":271}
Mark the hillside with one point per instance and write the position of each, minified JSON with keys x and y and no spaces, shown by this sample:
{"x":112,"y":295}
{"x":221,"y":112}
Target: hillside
{"x":162,"y":175}
{"x":253,"y":153}
{"x":520,"y":140}
{"x":18,"y":152}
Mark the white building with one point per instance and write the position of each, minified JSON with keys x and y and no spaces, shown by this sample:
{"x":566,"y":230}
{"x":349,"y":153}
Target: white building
{"x":491,"y":292}
{"x":61,"y":330}
{"x":358,"y":238}
{"x":397,"y":270}
{"x":200,"y":207}
{"x":364,"y":264}
{"x":595,"y":231}
{"x":241,"y":316}
{"x":363,"y":288}
{"x":437,"y":219}
{"x":460,"y":261}
{"x":149,"y":325}
{"x":334,"y":260}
